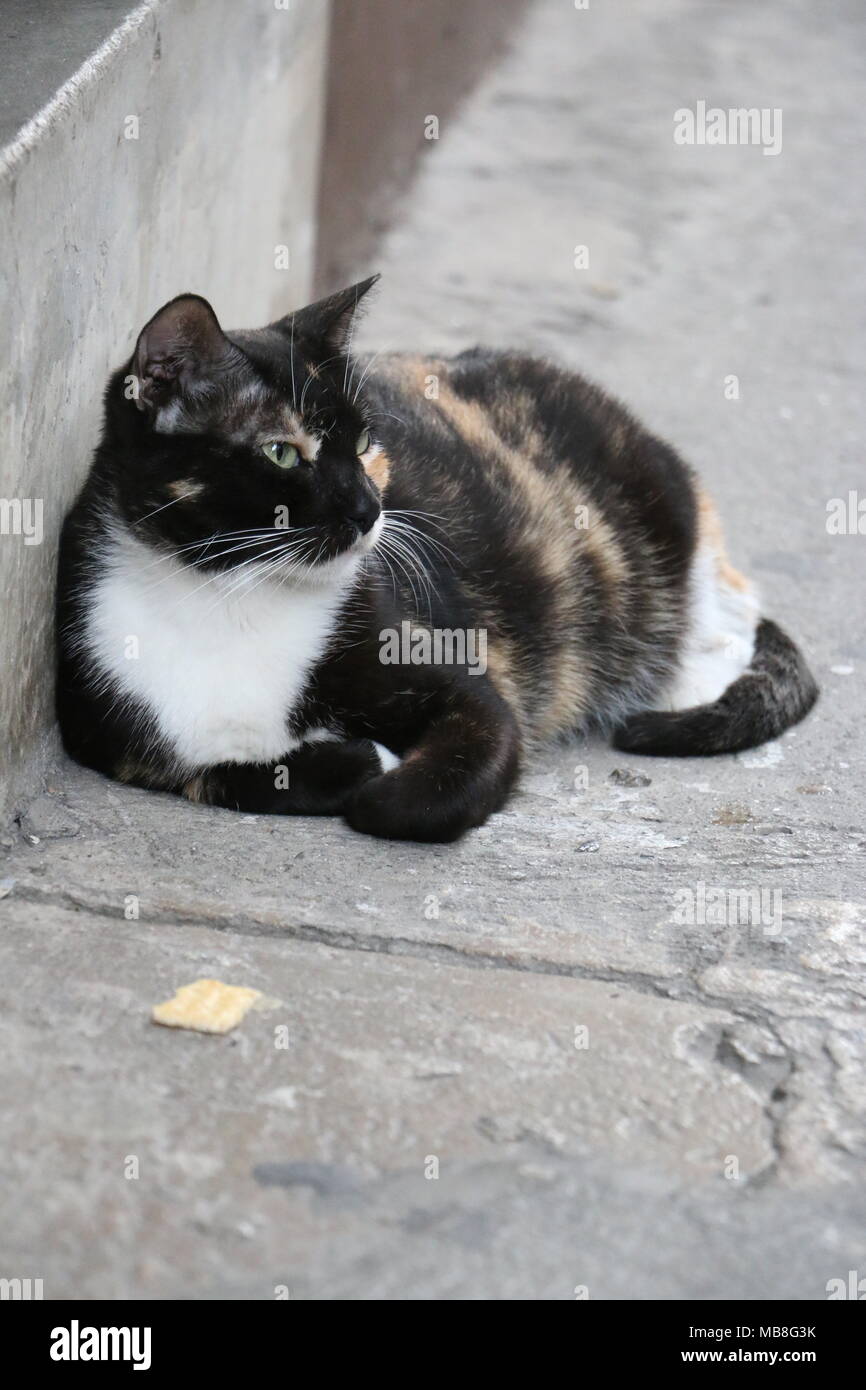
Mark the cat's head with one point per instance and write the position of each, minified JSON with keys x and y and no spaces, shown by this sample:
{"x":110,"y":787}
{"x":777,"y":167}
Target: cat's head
{"x":250,"y":447}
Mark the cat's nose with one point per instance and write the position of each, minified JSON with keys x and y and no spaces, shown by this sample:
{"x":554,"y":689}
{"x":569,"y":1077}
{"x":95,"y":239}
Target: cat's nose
{"x":364,"y":514}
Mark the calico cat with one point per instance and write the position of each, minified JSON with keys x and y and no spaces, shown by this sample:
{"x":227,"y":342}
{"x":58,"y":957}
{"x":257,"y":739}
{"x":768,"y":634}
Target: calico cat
{"x":300,"y":582}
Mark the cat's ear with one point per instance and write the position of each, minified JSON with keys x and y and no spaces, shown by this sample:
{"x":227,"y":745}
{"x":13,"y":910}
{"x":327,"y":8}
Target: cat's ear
{"x":328,"y":323}
{"x":183,"y":343}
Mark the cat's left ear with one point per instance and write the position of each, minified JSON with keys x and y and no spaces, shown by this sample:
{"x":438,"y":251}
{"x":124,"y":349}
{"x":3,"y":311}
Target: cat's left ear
{"x":182,"y":344}
{"x":328,"y":323}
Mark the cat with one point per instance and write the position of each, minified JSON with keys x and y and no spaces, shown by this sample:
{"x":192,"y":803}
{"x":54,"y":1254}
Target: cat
{"x":298,"y":581}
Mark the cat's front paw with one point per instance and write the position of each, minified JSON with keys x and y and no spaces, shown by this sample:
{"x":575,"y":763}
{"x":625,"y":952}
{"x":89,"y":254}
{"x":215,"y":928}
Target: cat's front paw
{"x":407,"y":805}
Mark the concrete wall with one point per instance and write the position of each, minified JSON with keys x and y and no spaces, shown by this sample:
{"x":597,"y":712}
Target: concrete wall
{"x":97,"y":229}
{"x":392,"y":64}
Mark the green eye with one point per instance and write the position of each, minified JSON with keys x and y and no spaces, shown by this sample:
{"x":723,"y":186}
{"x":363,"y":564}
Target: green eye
{"x":280,"y":452}
{"x":362,"y":443}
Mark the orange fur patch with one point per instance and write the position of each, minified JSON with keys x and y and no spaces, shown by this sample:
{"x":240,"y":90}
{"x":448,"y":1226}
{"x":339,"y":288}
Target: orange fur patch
{"x":379,"y":469}
{"x":710,"y":531}
{"x":502,"y":672}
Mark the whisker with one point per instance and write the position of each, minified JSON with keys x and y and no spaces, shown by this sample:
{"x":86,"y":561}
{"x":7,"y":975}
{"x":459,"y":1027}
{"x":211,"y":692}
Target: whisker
{"x":173,"y":503}
{"x":390,"y":414}
{"x":380,"y":554}
{"x":250,"y":580}
{"x":281,"y":565}
{"x":405,"y":529}
{"x":324,"y":363}
{"x":234,"y":571}
{"x":247,"y":543}
{"x":433,"y":517}
{"x":208,"y":540}
{"x":366,"y":372}
{"x":261,"y":570}
{"x":408,"y":563}
{"x":409,"y":537}
{"x":196,"y":565}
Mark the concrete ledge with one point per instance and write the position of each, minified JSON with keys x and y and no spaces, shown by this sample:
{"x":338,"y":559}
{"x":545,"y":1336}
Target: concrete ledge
{"x":180,"y":155}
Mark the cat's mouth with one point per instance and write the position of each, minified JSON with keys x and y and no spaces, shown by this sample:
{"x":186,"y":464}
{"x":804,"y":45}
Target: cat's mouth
{"x":337,"y":561}
{"x":365,"y":543}
{"x":350,"y":539}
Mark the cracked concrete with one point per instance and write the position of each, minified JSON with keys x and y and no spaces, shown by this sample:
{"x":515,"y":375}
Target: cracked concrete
{"x":614,"y":1041}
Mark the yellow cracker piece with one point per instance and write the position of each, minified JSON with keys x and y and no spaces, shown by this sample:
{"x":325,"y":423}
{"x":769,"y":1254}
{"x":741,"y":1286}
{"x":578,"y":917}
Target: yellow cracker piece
{"x":207,"y":1006}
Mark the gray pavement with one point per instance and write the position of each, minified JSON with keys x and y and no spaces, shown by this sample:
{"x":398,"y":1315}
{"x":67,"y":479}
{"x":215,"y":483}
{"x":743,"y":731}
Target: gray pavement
{"x":531,"y":1065}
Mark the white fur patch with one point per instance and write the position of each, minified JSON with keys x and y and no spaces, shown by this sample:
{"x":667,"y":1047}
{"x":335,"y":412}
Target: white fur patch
{"x":388,"y":759}
{"x":219,"y":671}
{"x":721,"y":638}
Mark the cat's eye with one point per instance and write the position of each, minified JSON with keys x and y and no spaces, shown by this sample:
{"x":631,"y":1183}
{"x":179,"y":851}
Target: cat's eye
{"x":362,"y":443}
{"x":280,"y":452}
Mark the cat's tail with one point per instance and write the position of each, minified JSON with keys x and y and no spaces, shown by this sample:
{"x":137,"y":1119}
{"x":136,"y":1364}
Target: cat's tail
{"x":774,"y":692}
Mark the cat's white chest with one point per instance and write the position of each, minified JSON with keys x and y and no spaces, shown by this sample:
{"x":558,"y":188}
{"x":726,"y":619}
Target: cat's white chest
{"x":219,"y":671}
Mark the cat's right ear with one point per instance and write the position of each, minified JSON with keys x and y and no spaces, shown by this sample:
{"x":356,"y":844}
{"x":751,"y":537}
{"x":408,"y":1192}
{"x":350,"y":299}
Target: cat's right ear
{"x":328,"y":323}
{"x":182,"y":344}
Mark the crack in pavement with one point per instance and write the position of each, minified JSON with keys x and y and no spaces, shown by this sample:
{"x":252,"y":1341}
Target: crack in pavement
{"x":686,"y":989}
